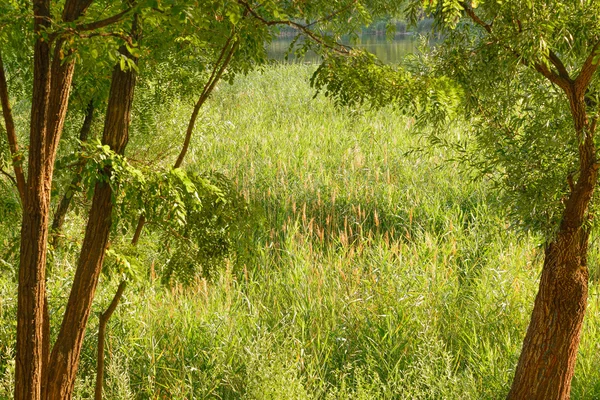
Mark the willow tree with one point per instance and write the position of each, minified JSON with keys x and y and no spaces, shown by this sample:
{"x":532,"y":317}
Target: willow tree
{"x":527,"y":74}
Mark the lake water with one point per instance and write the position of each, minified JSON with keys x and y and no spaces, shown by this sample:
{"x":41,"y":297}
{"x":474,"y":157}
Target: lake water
{"x":387,"y":51}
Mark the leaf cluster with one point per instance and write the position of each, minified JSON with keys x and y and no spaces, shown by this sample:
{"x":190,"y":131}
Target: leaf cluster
{"x":195,"y":217}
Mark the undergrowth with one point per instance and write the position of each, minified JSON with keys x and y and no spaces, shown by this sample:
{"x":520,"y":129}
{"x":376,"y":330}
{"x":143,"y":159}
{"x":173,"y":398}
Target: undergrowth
{"x":365,"y":269}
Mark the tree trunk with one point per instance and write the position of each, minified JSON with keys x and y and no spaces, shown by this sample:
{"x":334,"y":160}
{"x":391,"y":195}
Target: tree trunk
{"x":547,"y":362}
{"x":104,"y":317}
{"x":64,"y":358}
{"x":34,"y":229}
{"x":46,"y":126}
{"x":549,"y":353}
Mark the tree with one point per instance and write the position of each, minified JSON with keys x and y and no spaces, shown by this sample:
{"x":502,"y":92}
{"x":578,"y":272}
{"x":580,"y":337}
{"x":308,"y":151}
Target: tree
{"x":527,"y":74}
{"x":203,"y":42}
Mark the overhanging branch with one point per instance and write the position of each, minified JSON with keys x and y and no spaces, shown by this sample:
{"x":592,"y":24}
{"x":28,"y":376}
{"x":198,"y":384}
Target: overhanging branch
{"x":339,"y":48}
{"x":92,"y":26}
{"x":560,"y":78}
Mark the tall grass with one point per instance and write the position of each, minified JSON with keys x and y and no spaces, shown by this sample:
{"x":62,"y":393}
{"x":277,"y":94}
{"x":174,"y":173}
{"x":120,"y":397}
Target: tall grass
{"x":367,"y":272}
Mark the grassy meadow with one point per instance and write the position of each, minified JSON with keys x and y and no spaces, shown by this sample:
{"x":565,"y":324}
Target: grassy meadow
{"x":367,"y":270}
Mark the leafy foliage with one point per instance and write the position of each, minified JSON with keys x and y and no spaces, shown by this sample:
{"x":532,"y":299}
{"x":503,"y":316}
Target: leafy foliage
{"x":361,"y":78}
{"x":195,"y":217}
{"x":494,"y":56}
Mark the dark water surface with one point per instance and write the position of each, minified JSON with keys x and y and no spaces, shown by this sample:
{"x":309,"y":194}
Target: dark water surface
{"x":387,"y":51}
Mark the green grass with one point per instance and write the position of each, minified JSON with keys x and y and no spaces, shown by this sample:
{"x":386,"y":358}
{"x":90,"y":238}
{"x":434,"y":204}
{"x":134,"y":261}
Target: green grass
{"x":367,"y":271}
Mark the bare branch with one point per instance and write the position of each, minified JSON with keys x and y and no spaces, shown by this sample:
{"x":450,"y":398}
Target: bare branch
{"x":11,"y":134}
{"x":226,"y":53}
{"x":103,"y":22}
{"x":9,"y":176}
{"x":303,"y":28}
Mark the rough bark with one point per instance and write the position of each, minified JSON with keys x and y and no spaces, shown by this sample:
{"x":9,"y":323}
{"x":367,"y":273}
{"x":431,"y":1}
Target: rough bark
{"x":64,"y":358}
{"x":32,"y":285}
{"x":547,"y":362}
{"x":104,"y":318}
{"x":51,"y":83}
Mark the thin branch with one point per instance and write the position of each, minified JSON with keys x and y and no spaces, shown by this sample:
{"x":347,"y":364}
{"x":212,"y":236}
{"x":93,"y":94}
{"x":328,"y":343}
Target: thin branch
{"x":220,"y":66}
{"x":11,"y":134}
{"x":303,"y":28}
{"x":563,"y":82}
{"x":104,"y":317}
{"x":9,"y":176}
{"x":330,"y":16}
{"x":475,"y":18}
{"x":91,"y":26}
{"x":103,"y":22}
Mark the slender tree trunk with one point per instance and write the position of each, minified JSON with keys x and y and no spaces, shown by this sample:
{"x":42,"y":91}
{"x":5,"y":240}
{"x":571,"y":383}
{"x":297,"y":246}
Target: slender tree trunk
{"x":104,"y":318}
{"x":221,"y":65}
{"x":547,"y":363}
{"x":64,"y":358}
{"x":11,"y":133}
{"x":65,"y":201}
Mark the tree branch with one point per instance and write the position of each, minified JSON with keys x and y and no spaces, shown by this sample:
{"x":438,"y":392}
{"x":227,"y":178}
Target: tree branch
{"x":75,"y":8}
{"x":226,"y":53}
{"x":589,"y":67}
{"x":9,"y":176}
{"x":104,"y":317}
{"x":223,"y":61}
{"x":561,"y":78}
{"x":330,"y":16}
{"x":11,"y":134}
{"x":91,"y":26}
{"x":304,"y":29}
{"x":471,"y":13}
{"x":560,"y":67}
{"x":103,"y":22}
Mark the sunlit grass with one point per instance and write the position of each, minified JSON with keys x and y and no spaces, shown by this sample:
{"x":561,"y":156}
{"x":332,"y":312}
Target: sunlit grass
{"x":369,"y":270}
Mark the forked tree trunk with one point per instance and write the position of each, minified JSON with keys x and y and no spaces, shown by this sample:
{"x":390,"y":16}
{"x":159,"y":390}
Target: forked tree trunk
{"x":51,"y":88}
{"x":547,"y":362}
{"x":64,"y":358}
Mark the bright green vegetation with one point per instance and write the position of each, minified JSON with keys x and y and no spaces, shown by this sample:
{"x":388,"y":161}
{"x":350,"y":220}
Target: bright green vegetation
{"x":366,"y":271}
